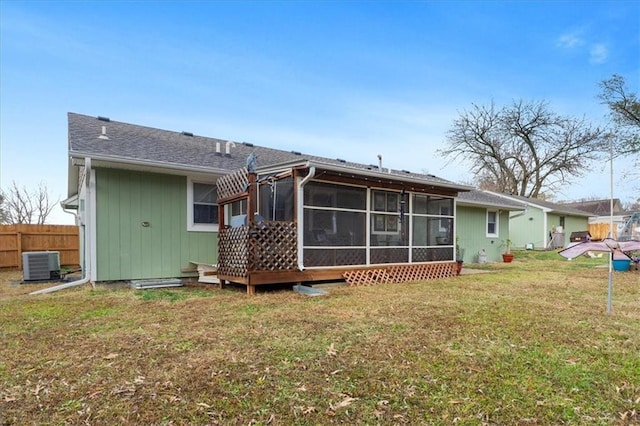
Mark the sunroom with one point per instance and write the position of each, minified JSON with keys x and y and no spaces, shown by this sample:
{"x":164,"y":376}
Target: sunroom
{"x":317,"y":221}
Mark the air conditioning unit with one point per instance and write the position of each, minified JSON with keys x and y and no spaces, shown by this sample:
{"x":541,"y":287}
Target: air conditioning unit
{"x":41,"y":265}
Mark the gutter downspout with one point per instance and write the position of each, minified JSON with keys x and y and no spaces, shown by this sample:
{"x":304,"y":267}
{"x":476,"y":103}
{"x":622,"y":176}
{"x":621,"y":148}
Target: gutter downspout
{"x":312,"y":173}
{"x":67,"y":211}
{"x":522,"y":213}
{"x":545,"y":227}
{"x":87,"y":238}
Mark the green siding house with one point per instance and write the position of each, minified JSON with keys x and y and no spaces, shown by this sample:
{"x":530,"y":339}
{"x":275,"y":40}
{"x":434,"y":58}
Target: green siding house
{"x":141,"y":230}
{"x":543,"y":224}
{"x":483,"y":225}
{"x":146,"y":198}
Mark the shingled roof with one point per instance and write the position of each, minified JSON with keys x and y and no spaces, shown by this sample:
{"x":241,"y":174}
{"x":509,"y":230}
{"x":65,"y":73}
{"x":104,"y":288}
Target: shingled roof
{"x":551,"y":207}
{"x":123,"y":141}
{"x":103,"y":139}
{"x":597,"y":207}
{"x":486,"y":199}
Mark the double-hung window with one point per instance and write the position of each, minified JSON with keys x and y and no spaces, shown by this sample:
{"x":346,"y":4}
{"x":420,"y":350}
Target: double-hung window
{"x":202,"y":209}
{"x":492,"y":223}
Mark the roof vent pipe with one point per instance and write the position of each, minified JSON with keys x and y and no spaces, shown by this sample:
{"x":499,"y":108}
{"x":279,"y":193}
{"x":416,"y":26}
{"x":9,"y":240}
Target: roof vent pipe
{"x":380,"y":162}
{"x":103,"y":135}
{"x":228,"y":147}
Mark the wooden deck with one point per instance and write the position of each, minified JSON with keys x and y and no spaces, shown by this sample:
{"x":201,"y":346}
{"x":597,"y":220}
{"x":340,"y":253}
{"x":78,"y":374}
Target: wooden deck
{"x":266,"y":253}
{"x":353,"y":275}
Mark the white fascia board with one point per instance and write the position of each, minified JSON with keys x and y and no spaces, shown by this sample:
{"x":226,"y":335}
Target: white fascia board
{"x":73,"y":177}
{"x":525,"y":203}
{"x":371,"y":174}
{"x":494,"y":205}
{"x":77,"y":159}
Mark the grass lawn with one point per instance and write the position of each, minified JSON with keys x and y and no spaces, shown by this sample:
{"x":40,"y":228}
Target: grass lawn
{"x":527,"y":343}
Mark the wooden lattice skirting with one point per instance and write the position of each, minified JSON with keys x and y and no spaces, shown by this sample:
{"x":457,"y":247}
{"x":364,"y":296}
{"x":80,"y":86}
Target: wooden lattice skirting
{"x":399,"y":273}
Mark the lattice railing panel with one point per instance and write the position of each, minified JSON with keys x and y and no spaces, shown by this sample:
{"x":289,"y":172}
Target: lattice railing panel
{"x":439,"y":254}
{"x":273,"y":247}
{"x":334,"y":257}
{"x":233,"y":184}
{"x":389,"y":255}
{"x":233,"y":251}
{"x":400,"y":273}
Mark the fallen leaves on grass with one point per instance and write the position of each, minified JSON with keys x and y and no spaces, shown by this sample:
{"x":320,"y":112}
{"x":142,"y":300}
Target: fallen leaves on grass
{"x":444,"y":350}
{"x":347,"y":401}
{"x":331,"y":350}
{"x":127,"y":390}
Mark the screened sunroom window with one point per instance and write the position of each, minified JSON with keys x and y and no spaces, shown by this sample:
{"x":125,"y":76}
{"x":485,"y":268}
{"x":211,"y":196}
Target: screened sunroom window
{"x":352,"y":225}
{"x":432,"y":220}
{"x":276,"y":200}
{"x":319,"y":194}
{"x":335,"y":219}
{"x":334,"y":215}
{"x":432,"y":228}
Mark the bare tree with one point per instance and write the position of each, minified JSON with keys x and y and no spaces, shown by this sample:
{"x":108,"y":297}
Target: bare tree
{"x":624,"y":111}
{"x":524,"y":148}
{"x":22,"y":206}
{"x":632,"y":206}
{"x":3,"y":211}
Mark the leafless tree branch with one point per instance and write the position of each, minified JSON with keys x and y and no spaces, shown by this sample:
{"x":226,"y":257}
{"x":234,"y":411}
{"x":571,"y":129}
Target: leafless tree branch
{"x":22,"y":206}
{"x":523,"y":148}
{"x":3,"y":210}
{"x":624,"y":111}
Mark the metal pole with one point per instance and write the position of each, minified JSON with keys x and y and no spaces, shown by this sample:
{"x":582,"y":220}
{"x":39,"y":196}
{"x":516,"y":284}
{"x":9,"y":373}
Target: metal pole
{"x":610,"y":287}
{"x":611,"y":188}
{"x":610,"y":290}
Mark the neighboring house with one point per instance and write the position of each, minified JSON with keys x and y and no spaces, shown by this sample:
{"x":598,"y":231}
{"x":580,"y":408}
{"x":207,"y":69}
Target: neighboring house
{"x":543,"y":224}
{"x":483,"y":224}
{"x":147,"y":202}
{"x":597,"y":208}
{"x":601,"y":216}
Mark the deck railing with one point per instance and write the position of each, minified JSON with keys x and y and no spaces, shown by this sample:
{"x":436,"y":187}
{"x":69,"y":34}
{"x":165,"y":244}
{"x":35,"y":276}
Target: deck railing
{"x":264,"y":246}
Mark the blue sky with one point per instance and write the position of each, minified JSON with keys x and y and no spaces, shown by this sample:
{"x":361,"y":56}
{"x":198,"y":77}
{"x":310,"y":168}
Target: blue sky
{"x":348,"y":79}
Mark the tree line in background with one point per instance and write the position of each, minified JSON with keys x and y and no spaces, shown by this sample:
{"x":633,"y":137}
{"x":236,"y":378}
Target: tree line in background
{"x":524,"y":148}
{"x":527,"y":149}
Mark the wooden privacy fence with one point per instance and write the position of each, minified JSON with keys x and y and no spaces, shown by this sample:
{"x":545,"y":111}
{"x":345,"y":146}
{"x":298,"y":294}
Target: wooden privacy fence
{"x":600,"y":231}
{"x":16,"y":239}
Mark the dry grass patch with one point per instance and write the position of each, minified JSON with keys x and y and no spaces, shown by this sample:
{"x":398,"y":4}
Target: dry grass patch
{"x":528,"y":343}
